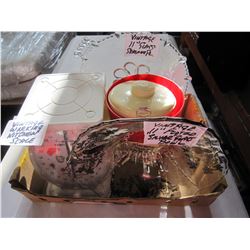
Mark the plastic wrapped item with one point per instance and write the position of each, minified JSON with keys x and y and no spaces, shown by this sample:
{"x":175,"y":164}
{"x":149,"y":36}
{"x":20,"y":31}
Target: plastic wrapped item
{"x":25,"y":55}
{"x":112,"y":160}
{"x":15,"y":91}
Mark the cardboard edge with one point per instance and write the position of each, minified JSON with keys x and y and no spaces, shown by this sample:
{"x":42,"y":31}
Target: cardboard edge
{"x":200,"y":200}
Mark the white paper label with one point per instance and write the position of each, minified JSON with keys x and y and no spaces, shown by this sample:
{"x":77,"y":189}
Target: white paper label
{"x":142,"y":44}
{"x":172,"y":133}
{"x":24,"y":132}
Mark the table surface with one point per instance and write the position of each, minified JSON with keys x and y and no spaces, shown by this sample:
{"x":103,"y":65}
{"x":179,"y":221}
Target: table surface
{"x":229,"y":204}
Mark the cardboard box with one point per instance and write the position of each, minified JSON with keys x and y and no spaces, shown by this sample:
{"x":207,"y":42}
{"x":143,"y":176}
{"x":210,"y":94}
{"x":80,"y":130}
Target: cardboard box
{"x":27,"y":181}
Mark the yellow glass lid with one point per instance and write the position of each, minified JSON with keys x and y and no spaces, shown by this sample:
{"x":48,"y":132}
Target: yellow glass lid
{"x":140,"y":98}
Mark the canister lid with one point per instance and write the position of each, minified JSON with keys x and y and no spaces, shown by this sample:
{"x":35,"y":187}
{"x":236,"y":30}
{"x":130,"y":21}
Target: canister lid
{"x":141,"y":98}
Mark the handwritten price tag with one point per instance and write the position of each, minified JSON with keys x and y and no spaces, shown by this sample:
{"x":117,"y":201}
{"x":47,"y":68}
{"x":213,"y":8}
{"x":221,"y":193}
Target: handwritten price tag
{"x":173,"y":133}
{"x":142,"y":44}
{"x":24,"y":132}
